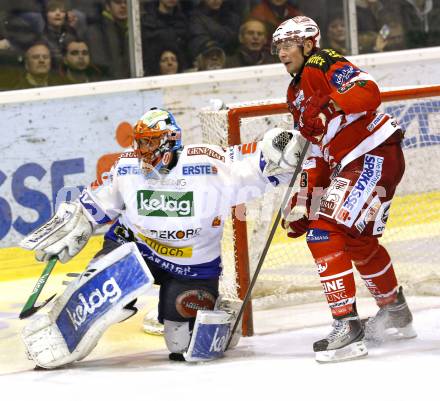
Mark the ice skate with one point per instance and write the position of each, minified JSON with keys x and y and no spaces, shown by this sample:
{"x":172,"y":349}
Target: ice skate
{"x":392,"y":322}
{"x":344,"y":342}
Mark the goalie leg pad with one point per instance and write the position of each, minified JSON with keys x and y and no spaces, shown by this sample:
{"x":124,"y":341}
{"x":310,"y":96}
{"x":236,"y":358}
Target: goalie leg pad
{"x":210,"y":336}
{"x":231,"y":306}
{"x":177,"y":336}
{"x":91,"y":303}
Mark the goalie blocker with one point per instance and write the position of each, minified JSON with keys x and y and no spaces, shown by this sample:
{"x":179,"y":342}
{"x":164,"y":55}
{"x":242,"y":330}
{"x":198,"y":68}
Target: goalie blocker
{"x":103,"y":295}
{"x":63,"y":236}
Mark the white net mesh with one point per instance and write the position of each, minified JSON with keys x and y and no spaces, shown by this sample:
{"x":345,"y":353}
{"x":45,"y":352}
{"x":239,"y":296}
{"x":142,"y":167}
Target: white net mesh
{"x":412,"y":236}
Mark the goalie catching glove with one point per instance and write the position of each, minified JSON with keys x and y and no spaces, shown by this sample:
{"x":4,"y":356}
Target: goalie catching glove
{"x":64,"y":235}
{"x":281,"y":150}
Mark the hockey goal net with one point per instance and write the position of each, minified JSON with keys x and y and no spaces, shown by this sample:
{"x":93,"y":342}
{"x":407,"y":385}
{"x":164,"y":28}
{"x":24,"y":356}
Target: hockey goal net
{"x":288,"y":275}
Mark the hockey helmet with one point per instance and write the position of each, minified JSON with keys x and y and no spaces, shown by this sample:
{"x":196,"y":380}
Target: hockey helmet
{"x":295,"y":31}
{"x":157,"y":137}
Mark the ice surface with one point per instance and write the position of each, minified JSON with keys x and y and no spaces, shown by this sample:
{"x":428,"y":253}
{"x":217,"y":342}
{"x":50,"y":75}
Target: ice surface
{"x":276,"y":364}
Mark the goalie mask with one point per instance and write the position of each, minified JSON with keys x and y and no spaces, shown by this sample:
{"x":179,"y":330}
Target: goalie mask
{"x":294,"y":32}
{"x":157,"y":138}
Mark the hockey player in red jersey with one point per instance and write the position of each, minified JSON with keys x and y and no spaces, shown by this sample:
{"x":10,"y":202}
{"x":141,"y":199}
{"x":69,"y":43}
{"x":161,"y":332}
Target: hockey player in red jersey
{"x":357,"y":161}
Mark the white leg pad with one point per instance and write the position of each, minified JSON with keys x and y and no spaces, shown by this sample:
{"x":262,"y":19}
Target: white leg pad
{"x":232,"y":307}
{"x":210,"y":336}
{"x":177,"y":336}
{"x":90,"y":304}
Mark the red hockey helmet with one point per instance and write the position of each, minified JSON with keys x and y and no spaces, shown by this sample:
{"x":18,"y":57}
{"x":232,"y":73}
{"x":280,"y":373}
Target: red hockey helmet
{"x":295,"y":31}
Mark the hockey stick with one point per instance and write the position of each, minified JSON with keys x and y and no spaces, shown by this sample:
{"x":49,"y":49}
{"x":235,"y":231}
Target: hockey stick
{"x":286,"y":198}
{"x":29,"y":308}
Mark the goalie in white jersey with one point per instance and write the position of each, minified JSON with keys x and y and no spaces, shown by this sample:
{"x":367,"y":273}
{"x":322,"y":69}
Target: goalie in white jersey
{"x":172,"y":201}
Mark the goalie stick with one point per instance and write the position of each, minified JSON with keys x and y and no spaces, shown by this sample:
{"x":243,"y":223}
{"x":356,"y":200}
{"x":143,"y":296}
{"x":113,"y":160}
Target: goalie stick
{"x":29,"y":308}
{"x":286,"y":198}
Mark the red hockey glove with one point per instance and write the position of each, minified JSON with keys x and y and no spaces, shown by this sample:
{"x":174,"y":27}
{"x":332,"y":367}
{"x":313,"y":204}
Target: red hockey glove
{"x":297,"y":222}
{"x":314,"y":105}
{"x":318,"y":111}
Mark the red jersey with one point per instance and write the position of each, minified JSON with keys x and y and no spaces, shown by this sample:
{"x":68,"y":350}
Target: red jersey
{"x":360,"y":127}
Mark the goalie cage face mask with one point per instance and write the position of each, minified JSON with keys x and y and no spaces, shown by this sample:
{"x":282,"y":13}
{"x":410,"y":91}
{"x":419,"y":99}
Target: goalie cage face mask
{"x":157,"y":137}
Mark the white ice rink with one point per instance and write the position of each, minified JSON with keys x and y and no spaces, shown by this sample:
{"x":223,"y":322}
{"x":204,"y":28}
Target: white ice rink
{"x":276,"y":364}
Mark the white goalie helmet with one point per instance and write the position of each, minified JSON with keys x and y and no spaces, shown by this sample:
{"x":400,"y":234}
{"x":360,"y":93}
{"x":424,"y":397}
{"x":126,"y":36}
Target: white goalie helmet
{"x":295,"y":31}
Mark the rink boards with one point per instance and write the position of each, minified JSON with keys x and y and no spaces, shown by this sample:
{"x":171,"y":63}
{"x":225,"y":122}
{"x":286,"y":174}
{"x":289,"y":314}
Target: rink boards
{"x":412,"y":236}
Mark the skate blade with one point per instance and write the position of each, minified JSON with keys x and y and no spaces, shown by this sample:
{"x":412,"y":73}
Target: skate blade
{"x":352,"y":351}
{"x":402,"y":333}
{"x":391,"y":334}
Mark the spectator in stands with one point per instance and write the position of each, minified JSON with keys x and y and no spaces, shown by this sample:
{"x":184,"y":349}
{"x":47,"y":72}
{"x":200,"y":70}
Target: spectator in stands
{"x":29,"y":11}
{"x":273,"y":12}
{"x":211,"y":57}
{"x":108,"y":41}
{"x":242,"y":7}
{"x":336,"y":34}
{"x":19,"y":32}
{"x":391,"y":36}
{"x":16,"y":35}
{"x":212,"y":21}
{"x":318,"y":9}
{"x":5,"y":44}
{"x":163,"y":24}
{"x":370,"y":21}
{"x":85,"y":12}
{"x":252,"y":49}
{"x":38,"y":69}
{"x":169,"y":61}
{"x":8,"y":73}
{"x":77,"y":66}
{"x":57,"y":29}
{"x":421,"y":20}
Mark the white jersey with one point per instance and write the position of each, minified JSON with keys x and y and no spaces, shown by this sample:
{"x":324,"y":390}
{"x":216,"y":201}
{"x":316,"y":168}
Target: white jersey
{"x":177,"y":219}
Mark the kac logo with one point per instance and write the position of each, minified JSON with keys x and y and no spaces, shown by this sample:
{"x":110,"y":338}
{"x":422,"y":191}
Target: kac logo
{"x":342,"y":75}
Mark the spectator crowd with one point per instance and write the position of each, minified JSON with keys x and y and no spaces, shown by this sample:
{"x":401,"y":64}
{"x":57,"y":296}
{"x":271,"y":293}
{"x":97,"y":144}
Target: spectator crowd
{"x":53,"y":42}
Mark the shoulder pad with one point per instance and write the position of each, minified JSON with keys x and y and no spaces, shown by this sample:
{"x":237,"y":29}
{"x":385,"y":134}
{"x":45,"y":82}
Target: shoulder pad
{"x":324,"y":59}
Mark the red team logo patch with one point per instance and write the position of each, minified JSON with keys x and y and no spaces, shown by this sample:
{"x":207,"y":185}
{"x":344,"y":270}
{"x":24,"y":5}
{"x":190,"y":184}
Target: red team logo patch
{"x":189,"y":302}
{"x":332,"y":199}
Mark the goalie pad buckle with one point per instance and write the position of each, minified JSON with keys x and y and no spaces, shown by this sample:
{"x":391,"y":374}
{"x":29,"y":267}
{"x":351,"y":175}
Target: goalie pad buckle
{"x":101,"y":296}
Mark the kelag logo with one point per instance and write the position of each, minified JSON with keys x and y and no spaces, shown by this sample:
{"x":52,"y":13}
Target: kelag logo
{"x":165,"y":203}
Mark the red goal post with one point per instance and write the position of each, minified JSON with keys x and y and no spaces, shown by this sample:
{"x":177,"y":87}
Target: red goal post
{"x":235,"y":115}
